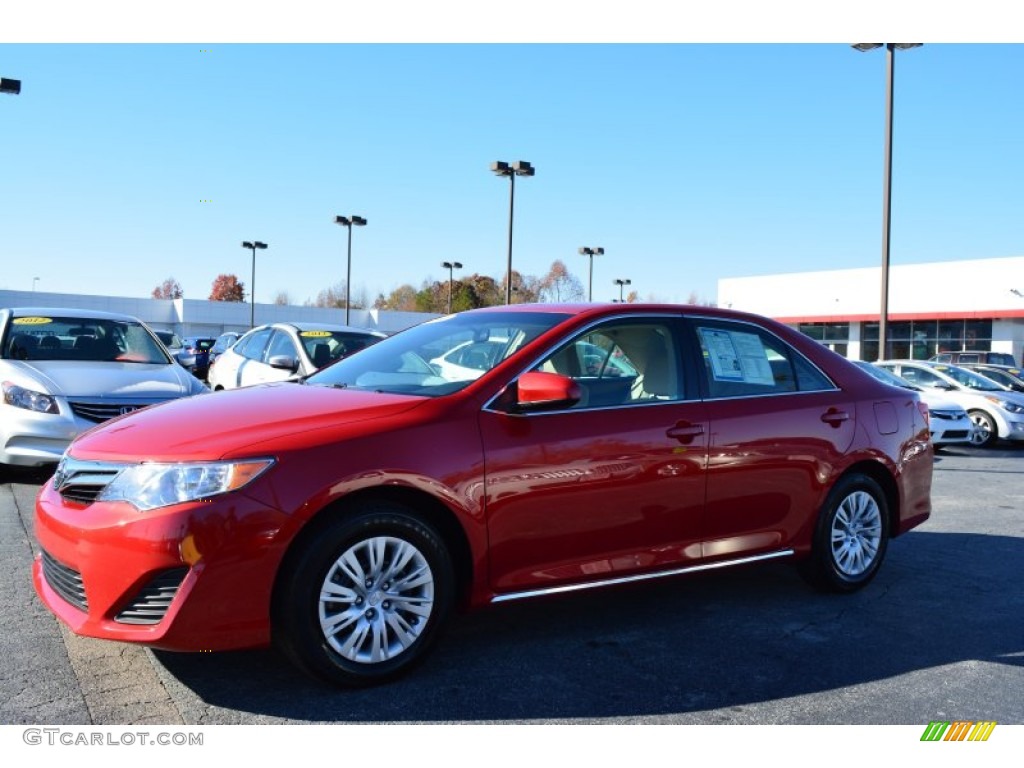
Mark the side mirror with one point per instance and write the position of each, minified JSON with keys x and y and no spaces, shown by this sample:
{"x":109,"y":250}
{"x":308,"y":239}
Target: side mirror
{"x":540,"y":391}
{"x":284,"y":362}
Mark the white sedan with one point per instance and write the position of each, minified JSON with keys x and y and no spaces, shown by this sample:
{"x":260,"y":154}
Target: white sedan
{"x":286,"y":351}
{"x":996,"y":412}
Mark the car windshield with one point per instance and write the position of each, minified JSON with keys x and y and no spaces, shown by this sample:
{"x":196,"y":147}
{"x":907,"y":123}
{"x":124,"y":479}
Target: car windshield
{"x":410,"y":362}
{"x":81,"y":339}
{"x":326,"y":346}
{"x":969,"y":379}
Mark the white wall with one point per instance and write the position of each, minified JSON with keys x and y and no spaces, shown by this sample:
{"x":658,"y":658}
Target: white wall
{"x":981,"y":286}
{"x":192,"y":317}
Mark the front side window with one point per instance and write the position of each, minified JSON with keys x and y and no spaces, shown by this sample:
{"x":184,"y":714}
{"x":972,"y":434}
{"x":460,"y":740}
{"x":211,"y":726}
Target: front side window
{"x":281,"y":344}
{"x":253,"y":343}
{"x":741,"y":360}
{"x":621,"y":363}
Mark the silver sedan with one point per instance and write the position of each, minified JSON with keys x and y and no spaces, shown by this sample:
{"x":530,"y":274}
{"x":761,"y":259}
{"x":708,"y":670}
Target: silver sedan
{"x":65,"y":370}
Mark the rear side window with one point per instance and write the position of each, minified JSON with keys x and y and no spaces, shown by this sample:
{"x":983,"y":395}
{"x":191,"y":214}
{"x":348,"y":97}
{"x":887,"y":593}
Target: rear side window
{"x":741,"y":360}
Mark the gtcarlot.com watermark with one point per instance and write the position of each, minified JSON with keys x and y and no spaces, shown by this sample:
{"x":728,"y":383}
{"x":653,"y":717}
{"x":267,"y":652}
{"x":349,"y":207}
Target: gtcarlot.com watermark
{"x":81,"y":737}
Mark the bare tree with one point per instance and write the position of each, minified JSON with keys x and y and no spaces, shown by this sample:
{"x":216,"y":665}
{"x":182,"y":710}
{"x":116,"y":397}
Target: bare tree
{"x":559,"y":284}
{"x":282,"y":299}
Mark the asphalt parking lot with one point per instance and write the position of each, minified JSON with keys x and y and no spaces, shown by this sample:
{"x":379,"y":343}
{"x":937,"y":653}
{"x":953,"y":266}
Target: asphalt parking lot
{"x":939,"y":635}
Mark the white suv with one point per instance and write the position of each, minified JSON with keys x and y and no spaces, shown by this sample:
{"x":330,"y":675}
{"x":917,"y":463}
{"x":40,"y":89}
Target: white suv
{"x":995,"y":411}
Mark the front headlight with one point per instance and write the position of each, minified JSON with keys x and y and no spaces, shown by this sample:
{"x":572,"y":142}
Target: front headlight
{"x":149,"y":486}
{"x":20,"y":397}
{"x":1006,"y":405}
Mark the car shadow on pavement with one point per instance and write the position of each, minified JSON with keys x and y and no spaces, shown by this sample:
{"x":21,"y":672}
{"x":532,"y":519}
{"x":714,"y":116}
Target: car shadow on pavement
{"x":677,"y":649}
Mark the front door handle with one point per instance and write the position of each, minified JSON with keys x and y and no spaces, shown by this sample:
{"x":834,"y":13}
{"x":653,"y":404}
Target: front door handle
{"x":835,"y":417}
{"x":684,"y":431}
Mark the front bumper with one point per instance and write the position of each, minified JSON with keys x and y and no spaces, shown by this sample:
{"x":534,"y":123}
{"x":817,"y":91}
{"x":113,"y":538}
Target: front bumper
{"x":31,"y":439}
{"x":192,"y":577}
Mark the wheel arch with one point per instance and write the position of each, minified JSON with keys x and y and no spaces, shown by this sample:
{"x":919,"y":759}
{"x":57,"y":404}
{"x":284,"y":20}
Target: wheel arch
{"x":881,"y":475}
{"x":428,"y":508}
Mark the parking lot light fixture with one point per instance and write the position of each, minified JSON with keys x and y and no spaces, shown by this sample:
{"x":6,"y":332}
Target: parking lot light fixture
{"x":253,"y":245}
{"x":883,"y":315}
{"x":591,"y":252}
{"x":622,"y":283}
{"x":518,"y":168}
{"x":8,"y":85}
{"x":451,"y":266}
{"x":348,"y":222}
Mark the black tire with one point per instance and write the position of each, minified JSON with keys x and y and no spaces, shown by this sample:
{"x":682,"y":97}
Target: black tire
{"x":376,"y":629}
{"x":851,"y":536}
{"x":985,"y":432}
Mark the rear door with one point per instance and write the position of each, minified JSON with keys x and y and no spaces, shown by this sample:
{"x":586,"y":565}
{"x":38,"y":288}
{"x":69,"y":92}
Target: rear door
{"x":778,"y":426}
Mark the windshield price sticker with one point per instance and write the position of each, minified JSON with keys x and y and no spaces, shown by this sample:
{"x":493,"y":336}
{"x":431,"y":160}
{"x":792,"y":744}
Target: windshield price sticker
{"x":737,"y":357}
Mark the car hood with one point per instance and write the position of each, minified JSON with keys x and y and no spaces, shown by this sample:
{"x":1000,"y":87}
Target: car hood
{"x":236,"y":422}
{"x":939,"y":402}
{"x":73,"y":379}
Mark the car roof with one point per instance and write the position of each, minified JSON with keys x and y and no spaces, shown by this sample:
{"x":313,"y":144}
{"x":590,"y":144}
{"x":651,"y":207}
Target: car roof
{"x":75,"y":312}
{"x":303,"y":326}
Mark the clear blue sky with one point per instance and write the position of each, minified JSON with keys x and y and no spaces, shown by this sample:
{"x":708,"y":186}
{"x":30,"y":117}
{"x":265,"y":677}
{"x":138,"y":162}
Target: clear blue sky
{"x":124,"y":164}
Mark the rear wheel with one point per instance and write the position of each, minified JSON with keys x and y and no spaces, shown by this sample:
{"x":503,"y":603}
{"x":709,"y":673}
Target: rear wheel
{"x":851,"y":536}
{"x":366,"y":598}
{"x":985,"y":432}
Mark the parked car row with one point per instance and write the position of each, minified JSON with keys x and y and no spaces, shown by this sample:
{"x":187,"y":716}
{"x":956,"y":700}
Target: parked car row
{"x":996,"y":411}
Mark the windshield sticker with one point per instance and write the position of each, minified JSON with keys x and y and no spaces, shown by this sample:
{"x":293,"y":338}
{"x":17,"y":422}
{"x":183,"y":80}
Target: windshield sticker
{"x":31,"y":320}
{"x":737,"y":356}
{"x":315,"y":334}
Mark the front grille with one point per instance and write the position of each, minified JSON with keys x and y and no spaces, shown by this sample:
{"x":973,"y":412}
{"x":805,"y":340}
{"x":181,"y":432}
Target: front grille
{"x":955,"y":434}
{"x":82,"y":481}
{"x":65,"y":581}
{"x":151,"y":603}
{"x":950,"y":415}
{"x":101,"y":411}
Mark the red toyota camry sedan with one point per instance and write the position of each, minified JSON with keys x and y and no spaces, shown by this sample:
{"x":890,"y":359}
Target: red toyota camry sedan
{"x":343,"y":517}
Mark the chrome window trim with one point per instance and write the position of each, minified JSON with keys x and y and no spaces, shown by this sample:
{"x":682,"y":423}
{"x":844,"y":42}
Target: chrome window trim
{"x":525,"y":594}
{"x":487,"y":407}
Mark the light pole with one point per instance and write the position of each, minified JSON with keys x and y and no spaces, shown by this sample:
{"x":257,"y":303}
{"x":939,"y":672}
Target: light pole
{"x":518,"y":168}
{"x":883,"y":315}
{"x":622,"y":284}
{"x":7,"y":85}
{"x":253,"y":245}
{"x":450,"y":266}
{"x":348,"y":222}
{"x":591,"y":252}
{"x":34,"y":281}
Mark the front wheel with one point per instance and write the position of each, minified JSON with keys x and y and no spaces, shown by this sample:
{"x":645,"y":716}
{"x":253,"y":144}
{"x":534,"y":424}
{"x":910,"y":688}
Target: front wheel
{"x":985,"y":432}
{"x":366,"y":598}
{"x":850,"y":540}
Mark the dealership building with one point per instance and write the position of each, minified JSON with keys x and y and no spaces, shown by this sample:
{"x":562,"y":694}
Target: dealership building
{"x":934,"y":307}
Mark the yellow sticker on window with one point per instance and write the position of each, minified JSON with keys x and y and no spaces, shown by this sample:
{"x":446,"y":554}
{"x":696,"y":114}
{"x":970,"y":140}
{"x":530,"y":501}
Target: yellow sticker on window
{"x":315,"y":334}
{"x":31,"y":320}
